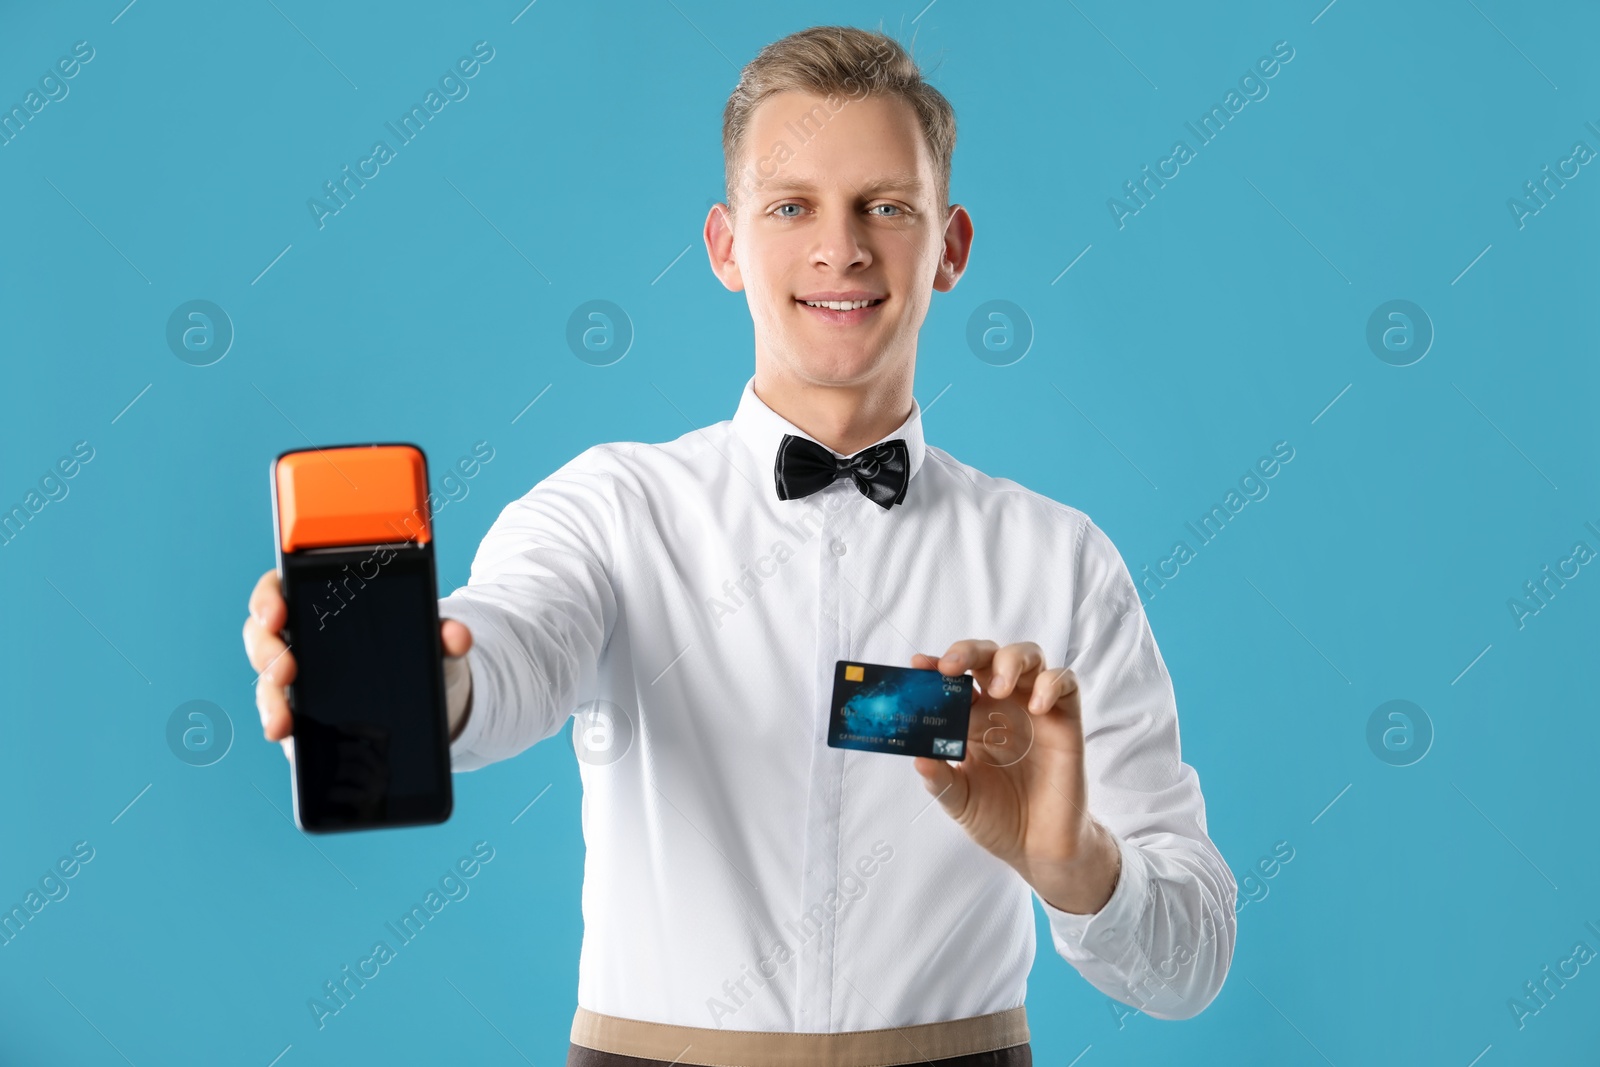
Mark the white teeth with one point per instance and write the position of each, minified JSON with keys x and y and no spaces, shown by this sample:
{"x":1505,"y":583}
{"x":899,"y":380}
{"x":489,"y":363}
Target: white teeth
{"x":839,"y":305}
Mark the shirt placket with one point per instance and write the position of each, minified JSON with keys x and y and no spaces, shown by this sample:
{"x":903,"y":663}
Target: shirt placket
{"x":816,"y":927}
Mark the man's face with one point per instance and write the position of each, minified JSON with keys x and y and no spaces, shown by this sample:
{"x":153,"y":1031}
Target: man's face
{"x":837,"y":202}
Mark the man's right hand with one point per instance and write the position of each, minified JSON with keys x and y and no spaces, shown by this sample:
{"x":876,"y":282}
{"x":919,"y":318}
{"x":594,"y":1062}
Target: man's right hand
{"x":274,"y":663}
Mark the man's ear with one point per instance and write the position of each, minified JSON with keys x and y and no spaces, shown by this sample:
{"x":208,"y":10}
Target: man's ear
{"x":954,"y":250}
{"x":719,"y":248}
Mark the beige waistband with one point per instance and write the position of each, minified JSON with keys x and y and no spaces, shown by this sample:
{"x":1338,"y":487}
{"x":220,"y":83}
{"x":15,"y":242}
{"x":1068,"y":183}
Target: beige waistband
{"x":765,"y":1048}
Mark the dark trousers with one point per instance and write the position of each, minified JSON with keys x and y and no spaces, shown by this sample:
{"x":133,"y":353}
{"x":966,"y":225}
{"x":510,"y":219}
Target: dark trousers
{"x":1015,"y":1056}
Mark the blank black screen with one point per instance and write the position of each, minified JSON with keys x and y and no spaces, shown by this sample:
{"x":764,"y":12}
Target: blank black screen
{"x":368,"y":725}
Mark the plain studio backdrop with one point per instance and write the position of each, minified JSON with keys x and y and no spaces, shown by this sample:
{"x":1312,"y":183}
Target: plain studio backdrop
{"x":1380,"y":262}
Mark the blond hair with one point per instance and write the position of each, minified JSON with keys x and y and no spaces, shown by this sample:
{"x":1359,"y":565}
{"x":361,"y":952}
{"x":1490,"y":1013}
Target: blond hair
{"x":834,"y":61}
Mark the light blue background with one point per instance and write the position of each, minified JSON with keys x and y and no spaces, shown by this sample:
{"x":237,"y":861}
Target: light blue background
{"x":1224,"y":317}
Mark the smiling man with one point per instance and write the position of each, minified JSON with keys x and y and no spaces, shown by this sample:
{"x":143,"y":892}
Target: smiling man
{"x":752,"y":894}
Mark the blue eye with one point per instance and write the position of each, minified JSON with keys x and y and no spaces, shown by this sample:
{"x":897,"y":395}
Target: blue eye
{"x":896,"y":208}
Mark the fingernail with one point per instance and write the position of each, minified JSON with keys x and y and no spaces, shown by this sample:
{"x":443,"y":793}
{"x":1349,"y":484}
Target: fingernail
{"x":998,"y":681}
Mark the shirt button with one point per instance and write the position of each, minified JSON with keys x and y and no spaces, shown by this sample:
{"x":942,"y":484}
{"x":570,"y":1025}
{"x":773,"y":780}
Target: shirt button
{"x":838,"y":547}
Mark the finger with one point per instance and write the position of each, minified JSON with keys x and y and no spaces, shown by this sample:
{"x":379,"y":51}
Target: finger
{"x":931,"y":663}
{"x":273,"y":706}
{"x":1054,"y":688}
{"x":262,"y":643}
{"x":969,"y":654}
{"x":266,"y":603}
{"x":455,"y":637}
{"x":945,"y":782}
{"x":268,"y":654}
{"x":1010,"y":665}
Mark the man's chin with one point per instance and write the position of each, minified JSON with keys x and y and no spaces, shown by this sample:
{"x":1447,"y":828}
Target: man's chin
{"x":828,"y":362}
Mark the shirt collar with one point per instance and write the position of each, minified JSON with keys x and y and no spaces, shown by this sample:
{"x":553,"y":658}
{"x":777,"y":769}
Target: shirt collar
{"x":761,"y":429}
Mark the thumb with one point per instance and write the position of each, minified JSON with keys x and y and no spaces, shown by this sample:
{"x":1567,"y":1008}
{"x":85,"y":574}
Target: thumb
{"x":948,"y":783}
{"x":455,"y":636}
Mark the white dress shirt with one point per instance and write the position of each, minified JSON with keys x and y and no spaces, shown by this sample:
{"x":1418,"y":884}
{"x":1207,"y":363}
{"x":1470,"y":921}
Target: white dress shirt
{"x":740,"y":873}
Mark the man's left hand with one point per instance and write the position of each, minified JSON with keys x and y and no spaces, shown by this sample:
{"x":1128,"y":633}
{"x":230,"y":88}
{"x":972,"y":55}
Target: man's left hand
{"x":1020,"y":791}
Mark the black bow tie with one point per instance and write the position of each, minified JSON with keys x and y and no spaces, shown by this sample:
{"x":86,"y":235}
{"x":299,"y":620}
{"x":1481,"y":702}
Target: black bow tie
{"x":880,"y":472}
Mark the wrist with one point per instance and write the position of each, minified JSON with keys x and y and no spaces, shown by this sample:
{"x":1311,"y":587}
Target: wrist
{"x":1086,"y":884}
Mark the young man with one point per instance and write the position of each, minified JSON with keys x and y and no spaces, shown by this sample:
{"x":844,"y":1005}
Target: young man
{"x":752,"y":895}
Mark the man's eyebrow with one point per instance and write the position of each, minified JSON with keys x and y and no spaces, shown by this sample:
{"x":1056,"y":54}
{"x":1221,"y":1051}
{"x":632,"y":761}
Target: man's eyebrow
{"x":890,"y":182}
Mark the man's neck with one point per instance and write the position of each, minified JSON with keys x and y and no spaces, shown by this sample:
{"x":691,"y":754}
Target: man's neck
{"x":845,"y":418}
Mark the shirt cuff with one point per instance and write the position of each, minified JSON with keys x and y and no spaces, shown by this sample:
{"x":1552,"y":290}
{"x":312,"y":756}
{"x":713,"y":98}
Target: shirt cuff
{"x":1108,"y":932}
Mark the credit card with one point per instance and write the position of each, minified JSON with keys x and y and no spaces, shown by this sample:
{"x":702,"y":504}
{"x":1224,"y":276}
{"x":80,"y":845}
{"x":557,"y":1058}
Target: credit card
{"x":908,"y":711}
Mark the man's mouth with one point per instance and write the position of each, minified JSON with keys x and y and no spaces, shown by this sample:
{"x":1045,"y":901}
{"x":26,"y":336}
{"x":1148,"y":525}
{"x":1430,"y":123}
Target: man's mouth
{"x":842,"y":312}
{"x":840,"y":305}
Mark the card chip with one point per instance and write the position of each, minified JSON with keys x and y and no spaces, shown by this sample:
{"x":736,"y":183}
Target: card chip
{"x":853,"y":673}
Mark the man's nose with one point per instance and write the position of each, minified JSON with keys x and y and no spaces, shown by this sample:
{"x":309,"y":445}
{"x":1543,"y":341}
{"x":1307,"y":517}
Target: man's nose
{"x":839,"y":241}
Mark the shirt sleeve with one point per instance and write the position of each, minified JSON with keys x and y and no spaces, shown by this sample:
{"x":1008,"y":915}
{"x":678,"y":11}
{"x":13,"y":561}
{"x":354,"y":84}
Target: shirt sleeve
{"x":540,"y":604}
{"x":1164,"y":941}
